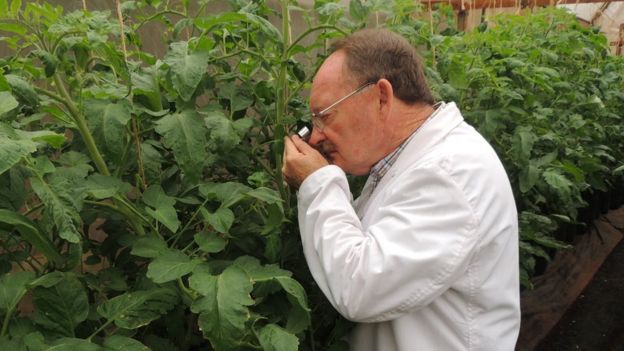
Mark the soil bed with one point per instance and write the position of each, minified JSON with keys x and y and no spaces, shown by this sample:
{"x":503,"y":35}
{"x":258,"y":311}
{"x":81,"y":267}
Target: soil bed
{"x":594,"y":320}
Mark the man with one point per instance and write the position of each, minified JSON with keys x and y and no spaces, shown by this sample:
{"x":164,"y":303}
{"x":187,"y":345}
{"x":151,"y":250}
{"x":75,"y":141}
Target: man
{"x":427,"y":257}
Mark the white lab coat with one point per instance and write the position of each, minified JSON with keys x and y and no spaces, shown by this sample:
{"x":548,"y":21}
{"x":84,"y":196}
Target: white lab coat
{"x":428,"y":261}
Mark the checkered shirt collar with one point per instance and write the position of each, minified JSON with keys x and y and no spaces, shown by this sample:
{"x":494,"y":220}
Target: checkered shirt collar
{"x":381,"y":168}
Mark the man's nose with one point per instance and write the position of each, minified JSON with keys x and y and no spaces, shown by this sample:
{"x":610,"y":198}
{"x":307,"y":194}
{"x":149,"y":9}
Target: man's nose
{"x":316,"y":137}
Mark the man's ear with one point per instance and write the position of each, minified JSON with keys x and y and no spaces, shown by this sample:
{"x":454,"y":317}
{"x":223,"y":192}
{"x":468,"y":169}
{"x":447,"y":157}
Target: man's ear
{"x":386,"y":96}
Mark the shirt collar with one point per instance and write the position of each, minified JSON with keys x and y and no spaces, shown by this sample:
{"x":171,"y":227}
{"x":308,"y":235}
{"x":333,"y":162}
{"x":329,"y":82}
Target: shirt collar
{"x":381,"y":168}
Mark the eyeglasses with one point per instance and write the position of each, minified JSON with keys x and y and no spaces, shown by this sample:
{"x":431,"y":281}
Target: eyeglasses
{"x":317,"y":117}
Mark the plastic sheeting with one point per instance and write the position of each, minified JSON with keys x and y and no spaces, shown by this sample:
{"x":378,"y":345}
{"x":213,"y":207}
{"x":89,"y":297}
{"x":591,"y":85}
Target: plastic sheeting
{"x":609,"y":21}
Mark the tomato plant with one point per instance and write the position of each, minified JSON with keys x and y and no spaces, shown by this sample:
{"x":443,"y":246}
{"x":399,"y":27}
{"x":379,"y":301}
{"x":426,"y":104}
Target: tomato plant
{"x":139,"y":190}
{"x":141,"y":199}
{"x":548,"y":96}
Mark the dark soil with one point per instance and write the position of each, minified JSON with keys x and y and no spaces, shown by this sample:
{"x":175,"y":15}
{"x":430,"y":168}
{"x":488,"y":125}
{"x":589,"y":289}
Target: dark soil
{"x":596,"y":319}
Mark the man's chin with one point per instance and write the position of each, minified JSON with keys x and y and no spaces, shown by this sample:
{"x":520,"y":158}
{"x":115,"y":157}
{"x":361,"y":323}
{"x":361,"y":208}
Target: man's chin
{"x":336,"y":161}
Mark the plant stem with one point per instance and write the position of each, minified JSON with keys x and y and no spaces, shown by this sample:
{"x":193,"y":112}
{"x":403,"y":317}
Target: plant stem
{"x":100,"y":164}
{"x":81,"y":123}
{"x":282,"y":102}
{"x":134,"y":123}
{"x":188,"y":223}
{"x":128,"y":211}
{"x":50,"y":94}
{"x":312,"y":30}
{"x":106,"y":324}
{"x":5,"y":323}
{"x":190,"y":293}
{"x":158,"y":14}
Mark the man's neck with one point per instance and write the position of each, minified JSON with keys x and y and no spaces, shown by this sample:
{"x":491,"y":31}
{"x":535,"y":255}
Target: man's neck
{"x":406,"y":120}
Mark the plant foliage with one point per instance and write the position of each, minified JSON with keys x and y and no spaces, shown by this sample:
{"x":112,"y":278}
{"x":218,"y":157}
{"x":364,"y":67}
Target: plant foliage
{"x":142,"y":204}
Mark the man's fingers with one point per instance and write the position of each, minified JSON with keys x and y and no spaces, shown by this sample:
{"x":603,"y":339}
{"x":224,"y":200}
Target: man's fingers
{"x":301,"y":145}
{"x":289,"y":146}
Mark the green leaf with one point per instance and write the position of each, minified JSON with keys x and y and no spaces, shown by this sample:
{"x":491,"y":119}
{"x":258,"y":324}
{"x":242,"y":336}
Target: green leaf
{"x":358,"y":11}
{"x":146,"y":83}
{"x":266,"y":26}
{"x":54,"y":139}
{"x":222,"y":132}
{"x":528,"y":177}
{"x":210,"y":242}
{"x":64,"y":214}
{"x":152,"y":163}
{"x":42,"y":165}
{"x":186,"y":69}
{"x":223,"y":308}
{"x":13,"y":28}
{"x":50,"y":62}
{"x":575,"y":171}
{"x":16,"y":5}
{"x":228,"y":193}
{"x":14,"y":191}
{"x":273,"y":220}
{"x":171,"y":265}
{"x":457,"y":75}
{"x":238,"y":96}
{"x":61,"y":307}
{"x":185,"y":134}
{"x":149,"y":246}
{"x":7,"y":102}
{"x":163,"y":209}
{"x":138,"y":308}
{"x":49,"y":280}
{"x":4,"y":85}
{"x":273,"y":244}
{"x":221,"y":220}
{"x":123,"y":343}
{"x":31,"y":234}
{"x":243,"y":125}
{"x":23,"y":90}
{"x":13,"y":286}
{"x":523,"y":141}
{"x":257,"y":272}
{"x":209,"y":22}
{"x":13,"y":148}
{"x":108,"y":122}
{"x":34,"y":341}
{"x":299,"y":316}
{"x":267,"y":195}
{"x":72,"y":344}
{"x":559,"y":182}
{"x":274,"y":338}
{"x":100,"y":186}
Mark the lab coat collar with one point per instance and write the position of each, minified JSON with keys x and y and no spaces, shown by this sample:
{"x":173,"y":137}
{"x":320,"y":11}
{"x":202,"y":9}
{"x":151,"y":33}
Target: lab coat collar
{"x":429,"y":135}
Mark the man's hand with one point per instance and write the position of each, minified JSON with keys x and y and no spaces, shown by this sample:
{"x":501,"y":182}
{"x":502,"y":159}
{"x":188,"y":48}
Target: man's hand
{"x":300,"y":160}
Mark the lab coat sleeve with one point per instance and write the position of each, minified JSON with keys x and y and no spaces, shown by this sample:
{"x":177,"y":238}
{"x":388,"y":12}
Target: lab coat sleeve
{"x":420,"y":238}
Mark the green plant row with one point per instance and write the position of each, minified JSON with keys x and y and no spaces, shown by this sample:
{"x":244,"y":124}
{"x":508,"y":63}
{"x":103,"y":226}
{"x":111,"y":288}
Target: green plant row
{"x":549,"y":97}
{"x":141,"y":199}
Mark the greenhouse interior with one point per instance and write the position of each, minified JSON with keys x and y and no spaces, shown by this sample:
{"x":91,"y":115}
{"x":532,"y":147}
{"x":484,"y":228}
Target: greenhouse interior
{"x":158,"y":190}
